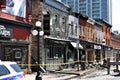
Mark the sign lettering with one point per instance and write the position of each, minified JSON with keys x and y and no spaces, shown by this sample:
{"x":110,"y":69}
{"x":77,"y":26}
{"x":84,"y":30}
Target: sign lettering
{"x":4,"y":32}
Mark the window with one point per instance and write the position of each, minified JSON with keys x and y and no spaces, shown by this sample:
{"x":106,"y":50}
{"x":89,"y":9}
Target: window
{"x":18,"y":54}
{"x":55,"y":51}
{"x":56,"y":21}
{"x":89,"y":32}
{"x":72,"y":28}
{"x":16,"y":67}
{"x":56,"y":18}
{"x":75,"y":29}
{"x":82,"y":31}
{"x":3,"y":70}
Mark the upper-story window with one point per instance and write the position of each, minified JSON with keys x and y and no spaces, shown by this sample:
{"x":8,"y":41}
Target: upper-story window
{"x":82,"y":30}
{"x":63,"y":20}
{"x":75,"y":25}
{"x":63,"y":24}
{"x":72,"y":29}
{"x":106,"y":30}
{"x":90,"y":32}
{"x":55,"y":21}
{"x":56,"y":18}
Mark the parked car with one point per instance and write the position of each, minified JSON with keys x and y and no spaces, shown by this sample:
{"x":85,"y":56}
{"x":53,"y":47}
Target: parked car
{"x":10,"y":71}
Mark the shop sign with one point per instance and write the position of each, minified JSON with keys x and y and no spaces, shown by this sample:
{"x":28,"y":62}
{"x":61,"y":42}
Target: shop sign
{"x":4,"y":32}
{"x":16,"y":48}
{"x":97,"y":47}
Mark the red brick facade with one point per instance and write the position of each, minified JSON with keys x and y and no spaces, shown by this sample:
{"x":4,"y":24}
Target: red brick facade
{"x":15,"y":47}
{"x":92,"y":35}
{"x":115,"y":41}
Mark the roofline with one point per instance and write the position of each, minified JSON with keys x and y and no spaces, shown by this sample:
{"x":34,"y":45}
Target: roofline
{"x":103,"y":21}
{"x":79,"y":15}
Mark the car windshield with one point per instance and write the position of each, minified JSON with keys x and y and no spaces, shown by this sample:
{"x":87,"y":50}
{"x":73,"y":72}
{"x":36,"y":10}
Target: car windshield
{"x":16,"y":67}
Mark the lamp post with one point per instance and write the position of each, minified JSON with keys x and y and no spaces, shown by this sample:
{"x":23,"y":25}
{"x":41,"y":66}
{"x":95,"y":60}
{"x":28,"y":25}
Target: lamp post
{"x":37,"y":32}
{"x":78,"y":54}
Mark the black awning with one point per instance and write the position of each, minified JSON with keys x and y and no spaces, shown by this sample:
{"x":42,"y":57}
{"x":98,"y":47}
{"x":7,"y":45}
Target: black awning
{"x":56,"y":40}
{"x":20,"y":23}
{"x":10,"y":42}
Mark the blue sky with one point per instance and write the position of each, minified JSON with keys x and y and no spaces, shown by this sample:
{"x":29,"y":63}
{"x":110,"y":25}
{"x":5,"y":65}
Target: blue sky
{"x":115,"y":14}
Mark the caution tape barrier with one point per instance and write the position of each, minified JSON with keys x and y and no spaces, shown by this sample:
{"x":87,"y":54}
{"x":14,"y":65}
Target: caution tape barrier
{"x":56,"y":64}
{"x":53,"y":64}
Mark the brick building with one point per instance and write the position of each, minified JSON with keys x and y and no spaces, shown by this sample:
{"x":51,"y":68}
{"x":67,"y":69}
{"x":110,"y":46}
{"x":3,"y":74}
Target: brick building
{"x":14,"y":31}
{"x":95,"y":39}
{"x":106,"y":29}
{"x":53,"y":47}
{"x":17,"y":43}
{"x":115,"y":43}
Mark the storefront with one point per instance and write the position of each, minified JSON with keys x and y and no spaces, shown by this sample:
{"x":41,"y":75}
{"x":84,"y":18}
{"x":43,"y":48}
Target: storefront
{"x":94,"y":52}
{"x":98,"y":54}
{"x":55,"y":53}
{"x":75,"y":51}
{"x":14,"y":40}
{"x":90,"y":53}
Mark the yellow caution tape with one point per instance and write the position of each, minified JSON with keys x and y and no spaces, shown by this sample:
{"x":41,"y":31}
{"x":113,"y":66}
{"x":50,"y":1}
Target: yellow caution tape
{"x":59,"y":64}
{"x":52,"y":64}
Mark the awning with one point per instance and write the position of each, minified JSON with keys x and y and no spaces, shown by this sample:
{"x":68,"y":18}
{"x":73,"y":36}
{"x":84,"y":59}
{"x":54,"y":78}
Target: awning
{"x":76,"y":45}
{"x":57,"y":40}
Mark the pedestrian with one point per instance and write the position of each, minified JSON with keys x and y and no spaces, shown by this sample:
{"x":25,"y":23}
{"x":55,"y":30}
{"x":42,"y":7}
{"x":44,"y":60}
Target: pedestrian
{"x":104,"y":62}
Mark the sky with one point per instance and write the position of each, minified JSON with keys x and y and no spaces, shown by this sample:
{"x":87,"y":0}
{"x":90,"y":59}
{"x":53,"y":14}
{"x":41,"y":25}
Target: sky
{"x":115,"y":15}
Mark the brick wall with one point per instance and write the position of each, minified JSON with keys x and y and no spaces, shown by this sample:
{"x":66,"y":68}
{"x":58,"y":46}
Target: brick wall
{"x":115,"y":41}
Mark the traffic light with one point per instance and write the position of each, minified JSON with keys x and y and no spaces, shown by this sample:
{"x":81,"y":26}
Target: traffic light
{"x":46,"y":24}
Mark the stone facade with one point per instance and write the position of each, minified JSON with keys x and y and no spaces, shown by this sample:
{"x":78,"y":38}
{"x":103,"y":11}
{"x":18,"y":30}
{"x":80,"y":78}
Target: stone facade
{"x":58,"y":21}
{"x":56,"y":43}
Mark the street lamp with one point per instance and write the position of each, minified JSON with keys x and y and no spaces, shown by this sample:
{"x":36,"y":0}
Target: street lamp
{"x":37,"y":32}
{"x":78,"y":54}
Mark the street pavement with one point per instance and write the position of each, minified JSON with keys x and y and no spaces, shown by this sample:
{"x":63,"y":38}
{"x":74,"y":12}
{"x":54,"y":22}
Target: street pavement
{"x":102,"y":75}
{"x":60,"y":75}
{"x":73,"y":74}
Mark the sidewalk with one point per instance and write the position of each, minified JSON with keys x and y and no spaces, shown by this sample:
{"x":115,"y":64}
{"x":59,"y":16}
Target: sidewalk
{"x":60,"y":75}
{"x":75,"y":72}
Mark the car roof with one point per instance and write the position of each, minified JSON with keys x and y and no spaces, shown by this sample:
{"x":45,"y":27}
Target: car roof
{"x":7,"y":62}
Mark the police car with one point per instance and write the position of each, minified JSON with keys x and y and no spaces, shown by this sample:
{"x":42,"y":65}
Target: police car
{"x":10,"y":71}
